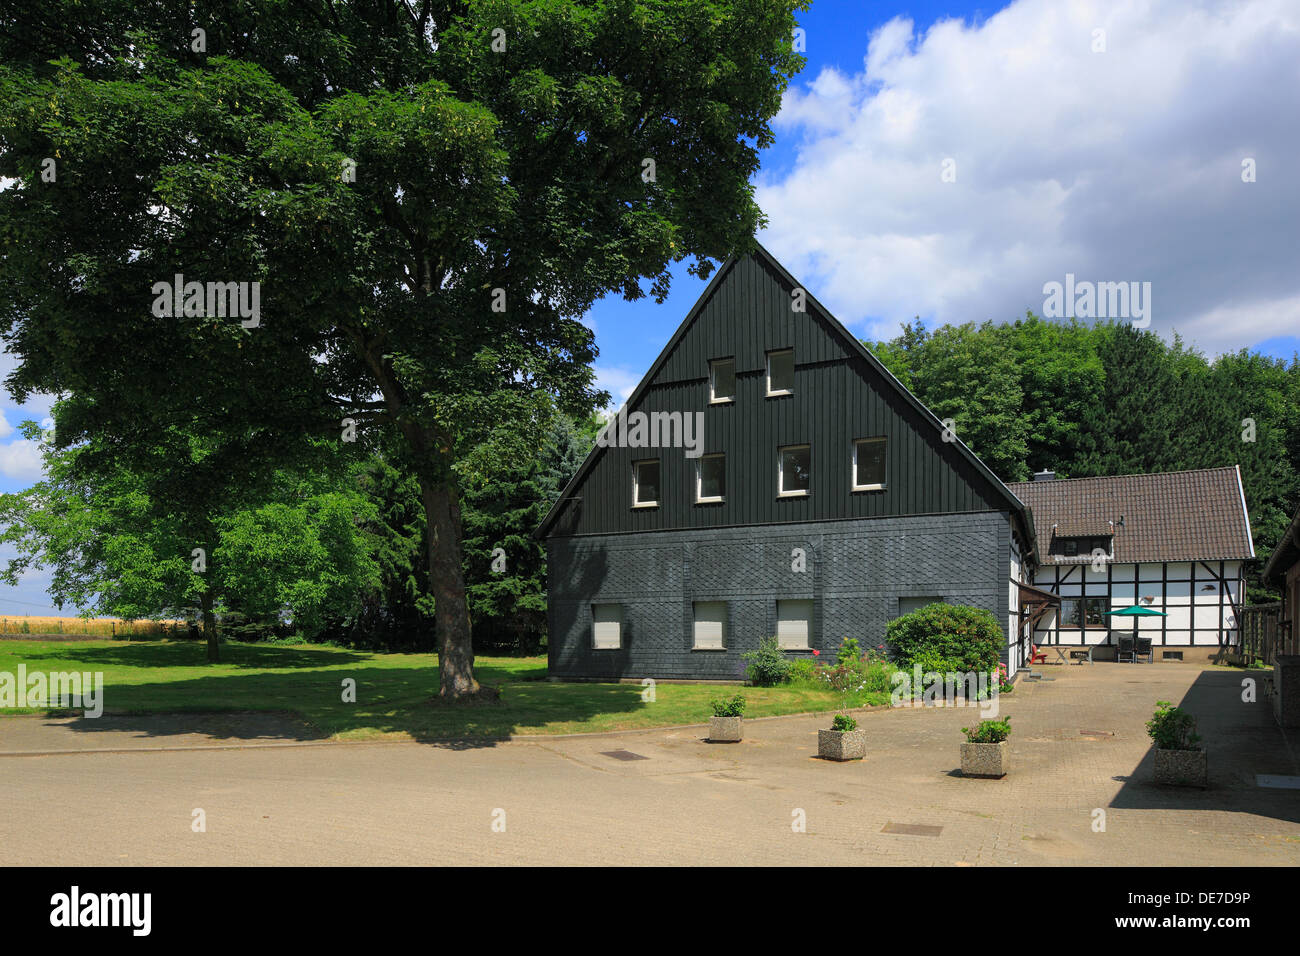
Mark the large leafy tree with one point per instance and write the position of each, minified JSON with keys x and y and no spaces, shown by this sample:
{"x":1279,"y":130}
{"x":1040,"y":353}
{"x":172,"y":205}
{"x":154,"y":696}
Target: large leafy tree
{"x":112,"y":546}
{"x":966,"y":374}
{"x":428,"y":195}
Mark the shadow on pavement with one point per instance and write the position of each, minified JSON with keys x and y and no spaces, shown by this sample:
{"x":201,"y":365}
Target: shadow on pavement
{"x":1242,"y":740}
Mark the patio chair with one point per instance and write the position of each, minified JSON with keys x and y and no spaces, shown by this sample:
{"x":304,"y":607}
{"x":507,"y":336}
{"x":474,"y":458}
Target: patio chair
{"x":1036,"y":656}
{"x":1143,"y":649}
{"x":1125,"y":653}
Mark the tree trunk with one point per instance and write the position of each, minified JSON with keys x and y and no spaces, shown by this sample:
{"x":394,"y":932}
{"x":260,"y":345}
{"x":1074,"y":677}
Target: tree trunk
{"x":447,"y":584}
{"x":210,"y":627}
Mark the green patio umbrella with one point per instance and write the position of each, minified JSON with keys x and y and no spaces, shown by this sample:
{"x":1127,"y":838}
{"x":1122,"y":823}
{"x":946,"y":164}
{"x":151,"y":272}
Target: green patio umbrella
{"x":1136,"y":611}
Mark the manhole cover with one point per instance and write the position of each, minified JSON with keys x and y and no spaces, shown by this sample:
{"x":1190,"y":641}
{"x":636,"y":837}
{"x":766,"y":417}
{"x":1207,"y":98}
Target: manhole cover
{"x":1276,"y":782}
{"x":912,"y":829}
{"x":622,"y":755}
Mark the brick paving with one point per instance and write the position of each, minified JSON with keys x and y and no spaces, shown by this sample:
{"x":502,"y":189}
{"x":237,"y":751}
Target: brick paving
{"x":565,"y":801}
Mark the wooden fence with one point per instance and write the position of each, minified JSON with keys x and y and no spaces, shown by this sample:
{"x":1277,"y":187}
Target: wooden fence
{"x":1262,"y":639}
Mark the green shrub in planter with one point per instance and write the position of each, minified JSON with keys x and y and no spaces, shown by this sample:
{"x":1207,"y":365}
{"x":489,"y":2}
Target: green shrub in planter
{"x":989,"y":731}
{"x":966,"y":638}
{"x":1179,"y":758}
{"x":1173,"y":728}
{"x":768,"y":666}
{"x":844,"y":723}
{"x":729,"y":707}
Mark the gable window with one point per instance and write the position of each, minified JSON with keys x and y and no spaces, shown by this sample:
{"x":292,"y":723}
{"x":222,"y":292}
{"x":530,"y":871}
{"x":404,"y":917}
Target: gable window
{"x":606,"y":627}
{"x":710,"y":625}
{"x":780,"y":372}
{"x":794,"y":470}
{"x":1077,"y":546}
{"x":710,"y":479}
{"x":645,"y":483}
{"x":722,"y":381}
{"x":869,"y":464}
{"x":793,"y":624}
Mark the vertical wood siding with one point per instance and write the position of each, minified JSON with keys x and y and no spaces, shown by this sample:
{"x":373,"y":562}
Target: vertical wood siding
{"x":838,"y":397}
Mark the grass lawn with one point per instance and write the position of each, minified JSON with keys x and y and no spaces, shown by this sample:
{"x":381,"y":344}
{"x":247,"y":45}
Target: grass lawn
{"x":395,"y":692}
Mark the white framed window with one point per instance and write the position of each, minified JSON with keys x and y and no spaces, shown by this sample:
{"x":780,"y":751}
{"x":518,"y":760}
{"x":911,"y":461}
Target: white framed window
{"x":793,"y":624}
{"x":794,"y":470}
{"x":869,"y":464}
{"x":710,"y":625}
{"x":607,"y":627}
{"x":780,"y":372}
{"x":722,"y":381}
{"x":645,"y":483}
{"x":710,"y":479}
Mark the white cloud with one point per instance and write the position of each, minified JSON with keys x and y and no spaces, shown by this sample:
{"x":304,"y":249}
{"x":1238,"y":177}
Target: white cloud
{"x":21,"y":459}
{"x":618,"y":381}
{"x":1115,"y":166}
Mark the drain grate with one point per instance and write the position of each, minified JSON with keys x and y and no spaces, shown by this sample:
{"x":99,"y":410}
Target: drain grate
{"x":912,"y":829}
{"x":1096,"y":733}
{"x":1274,"y":781}
{"x":622,"y":755}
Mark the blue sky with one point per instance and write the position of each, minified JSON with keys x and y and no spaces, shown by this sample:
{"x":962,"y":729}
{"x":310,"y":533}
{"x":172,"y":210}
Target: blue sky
{"x":1105,"y":139}
{"x":1115,"y":164}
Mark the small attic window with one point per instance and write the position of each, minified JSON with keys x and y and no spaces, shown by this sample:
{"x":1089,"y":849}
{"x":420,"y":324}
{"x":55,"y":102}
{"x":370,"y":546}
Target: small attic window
{"x":780,"y":372}
{"x":722,"y":381}
{"x":1082,"y":545}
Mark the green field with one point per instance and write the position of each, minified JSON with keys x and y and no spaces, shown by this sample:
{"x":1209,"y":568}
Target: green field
{"x":395,"y":692}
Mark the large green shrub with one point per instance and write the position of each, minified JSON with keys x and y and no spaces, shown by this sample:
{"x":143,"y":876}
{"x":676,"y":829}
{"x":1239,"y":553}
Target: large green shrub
{"x":964,"y":638}
{"x":768,"y":666}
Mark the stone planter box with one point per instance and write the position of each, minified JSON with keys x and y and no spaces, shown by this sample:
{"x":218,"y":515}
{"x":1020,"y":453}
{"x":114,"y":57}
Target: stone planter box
{"x":984,"y":760}
{"x":842,"y":744}
{"x":725,"y":730}
{"x":1183,"y":768}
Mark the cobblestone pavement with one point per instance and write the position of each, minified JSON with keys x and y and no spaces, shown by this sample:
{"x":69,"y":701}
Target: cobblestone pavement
{"x":1070,"y":799}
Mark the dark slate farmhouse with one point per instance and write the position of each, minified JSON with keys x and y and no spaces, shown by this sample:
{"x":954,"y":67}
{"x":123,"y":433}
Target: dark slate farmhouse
{"x":770,"y":477}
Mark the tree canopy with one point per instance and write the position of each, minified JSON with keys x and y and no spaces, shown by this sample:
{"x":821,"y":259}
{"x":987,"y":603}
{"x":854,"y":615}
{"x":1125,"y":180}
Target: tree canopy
{"x":269,"y":222}
{"x":1110,"y":399}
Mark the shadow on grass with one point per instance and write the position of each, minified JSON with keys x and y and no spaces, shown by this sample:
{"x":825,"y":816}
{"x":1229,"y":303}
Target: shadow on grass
{"x":159,"y":654}
{"x":1242,"y":740}
{"x":398,"y":701}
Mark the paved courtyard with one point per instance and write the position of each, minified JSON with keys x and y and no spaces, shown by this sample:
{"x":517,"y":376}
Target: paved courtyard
{"x":1071,"y":798}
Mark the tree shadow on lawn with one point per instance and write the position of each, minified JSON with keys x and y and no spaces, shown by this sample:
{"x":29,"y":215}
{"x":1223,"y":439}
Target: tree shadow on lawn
{"x":389,"y":701}
{"x":1242,"y":740}
{"x":189,"y":654}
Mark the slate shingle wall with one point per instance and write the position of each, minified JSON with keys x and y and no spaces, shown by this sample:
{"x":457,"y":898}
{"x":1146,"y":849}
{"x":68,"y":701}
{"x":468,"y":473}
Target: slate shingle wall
{"x":856,"y":572}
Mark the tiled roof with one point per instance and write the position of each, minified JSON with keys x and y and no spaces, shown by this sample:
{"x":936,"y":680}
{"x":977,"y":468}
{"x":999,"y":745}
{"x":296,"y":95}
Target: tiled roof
{"x":1175,"y":516}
